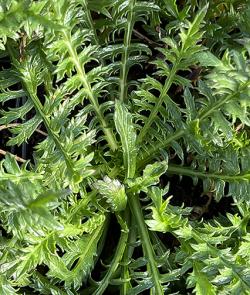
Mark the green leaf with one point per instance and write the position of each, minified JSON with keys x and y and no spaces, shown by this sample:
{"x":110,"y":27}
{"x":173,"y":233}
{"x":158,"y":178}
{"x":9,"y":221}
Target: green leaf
{"x":5,"y":287}
{"x":172,"y":7}
{"x":113,"y":191}
{"x":124,"y":126}
{"x":47,"y":197}
{"x":207,"y":59}
{"x":190,"y":37}
{"x":151,"y":175}
{"x":201,"y":282}
{"x":79,"y":259}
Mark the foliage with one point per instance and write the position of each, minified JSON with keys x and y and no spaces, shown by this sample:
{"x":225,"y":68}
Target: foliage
{"x":100,"y":99}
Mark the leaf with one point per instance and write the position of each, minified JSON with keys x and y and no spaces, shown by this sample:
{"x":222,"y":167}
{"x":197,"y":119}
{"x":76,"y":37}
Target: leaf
{"x":207,"y":59}
{"x":190,"y":37}
{"x":151,"y":175}
{"x":63,"y":65}
{"x":47,"y":197}
{"x":10,"y":164}
{"x":79,"y":259}
{"x":113,"y":191}
{"x":190,"y":105}
{"x":124,"y":126}
{"x":33,"y":255}
{"x":5,"y":287}
{"x":201,"y":282}
{"x":102,"y":6}
{"x":25,"y":208}
{"x":172,"y":7}
{"x":165,"y":218}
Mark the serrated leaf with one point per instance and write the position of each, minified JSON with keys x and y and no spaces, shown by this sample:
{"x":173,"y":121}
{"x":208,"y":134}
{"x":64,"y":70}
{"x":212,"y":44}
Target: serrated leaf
{"x":124,"y":126}
{"x":207,"y":59}
{"x":5,"y":287}
{"x":151,"y":175}
{"x":201,"y":281}
{"x":113,"y":191}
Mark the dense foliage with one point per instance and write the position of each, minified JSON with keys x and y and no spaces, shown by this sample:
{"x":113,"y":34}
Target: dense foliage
{"x":106,"y":105}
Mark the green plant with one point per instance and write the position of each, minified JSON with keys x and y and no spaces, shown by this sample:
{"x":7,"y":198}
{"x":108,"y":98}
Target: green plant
{"x":109,"y":140}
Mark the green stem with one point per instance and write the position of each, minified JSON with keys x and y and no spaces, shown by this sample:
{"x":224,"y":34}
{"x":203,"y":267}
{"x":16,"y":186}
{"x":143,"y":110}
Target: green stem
{"x":156,"y":108}
{"x":125,"y":275}
{"x":93,"y":100}
{"x":90,"y":21}
{"x":125,"y":56}
{"x":180,"y":170}
{"x":135,"y":207}
{"x":115,"y":262}
{"x":154,"y":150}
{"x":18,"y":177}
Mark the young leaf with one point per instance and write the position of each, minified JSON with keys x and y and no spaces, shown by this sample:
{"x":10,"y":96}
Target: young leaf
{"x":124,"y":126}
{"x":151,"y":175}
{"x":113,"y":191}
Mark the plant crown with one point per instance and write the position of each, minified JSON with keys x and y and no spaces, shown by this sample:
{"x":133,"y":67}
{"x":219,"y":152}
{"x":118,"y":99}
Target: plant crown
{"x":100,"y":94}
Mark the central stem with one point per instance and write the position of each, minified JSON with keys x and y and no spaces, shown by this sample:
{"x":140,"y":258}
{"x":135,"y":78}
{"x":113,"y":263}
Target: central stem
{"x":135,"y":207}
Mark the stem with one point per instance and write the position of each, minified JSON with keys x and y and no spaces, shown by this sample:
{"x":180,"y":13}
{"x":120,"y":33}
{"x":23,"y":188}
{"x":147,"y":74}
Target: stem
{"x":135,"y":207}
{"x":17,"y":158}
{"x":125,"y":275}
{"x":126,"y":42}
{"x":155,"y":110}
{"x":115,"y":262}
{"x":11,"y":125}
{"x":91,"y":22}
{"x":154,"y":150}
{"x":82,"y":75}
{"x":174,"y":169}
